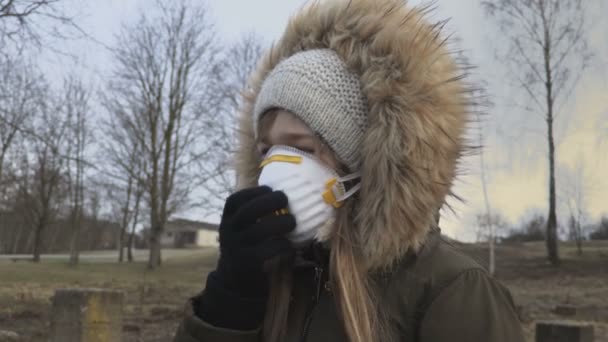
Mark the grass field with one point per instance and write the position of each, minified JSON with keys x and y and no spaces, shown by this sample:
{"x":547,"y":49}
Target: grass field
{"x":155,"y":299}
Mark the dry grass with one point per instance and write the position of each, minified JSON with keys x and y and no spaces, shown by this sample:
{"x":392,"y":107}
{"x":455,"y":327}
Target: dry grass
{"x":538,"y":287}
{"x":155,"y":299}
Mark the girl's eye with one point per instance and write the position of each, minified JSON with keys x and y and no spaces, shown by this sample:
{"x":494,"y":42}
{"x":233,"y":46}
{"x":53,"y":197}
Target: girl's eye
{"x":262,"y":149}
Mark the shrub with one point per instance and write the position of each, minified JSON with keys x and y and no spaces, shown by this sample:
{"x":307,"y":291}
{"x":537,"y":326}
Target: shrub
{"x":601,"y":232}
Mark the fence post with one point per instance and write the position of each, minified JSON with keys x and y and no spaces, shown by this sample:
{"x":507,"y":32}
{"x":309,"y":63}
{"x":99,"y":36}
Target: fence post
{"x":87,"y":315}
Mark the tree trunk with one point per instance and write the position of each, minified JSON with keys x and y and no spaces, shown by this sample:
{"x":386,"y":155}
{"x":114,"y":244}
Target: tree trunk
{"x":52,"y":235}
{"x":4,"y":235}
{"x":155,"y":256}
{"x":138,"y":195}
{"x":30,"y":241}
{"x":15,"y":247}
{"x":125,"y":221}
{"x":38,"y":242}
{"x":579,"y":239}
{"x":121,"y":239}
{"x":123,"y":228}
{"x":121,"y":248}
{"x":130,"y":245}
{"x":74,"y":243}
{"x":552,"y":248}
{"x":552,"y":240}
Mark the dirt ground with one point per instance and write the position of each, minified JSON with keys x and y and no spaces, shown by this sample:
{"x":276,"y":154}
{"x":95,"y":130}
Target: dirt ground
{"x":154,"y":300}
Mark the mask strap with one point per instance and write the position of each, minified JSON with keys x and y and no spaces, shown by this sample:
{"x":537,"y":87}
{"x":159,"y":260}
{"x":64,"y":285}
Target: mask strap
{"x":329,"y":196}
{"x":353,"y":189}
{"x":350,"y":192}
{"x":349,"y":177}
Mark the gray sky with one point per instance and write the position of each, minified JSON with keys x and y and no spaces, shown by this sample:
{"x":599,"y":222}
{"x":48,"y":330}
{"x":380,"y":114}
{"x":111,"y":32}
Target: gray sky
{"x":515,"y":152}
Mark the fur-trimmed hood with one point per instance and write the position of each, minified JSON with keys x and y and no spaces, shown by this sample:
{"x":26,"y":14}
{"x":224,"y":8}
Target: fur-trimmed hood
{"x":419,"y":109}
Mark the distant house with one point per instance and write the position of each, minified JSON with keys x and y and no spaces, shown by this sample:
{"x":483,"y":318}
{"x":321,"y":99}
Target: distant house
{"x":182,"y":233}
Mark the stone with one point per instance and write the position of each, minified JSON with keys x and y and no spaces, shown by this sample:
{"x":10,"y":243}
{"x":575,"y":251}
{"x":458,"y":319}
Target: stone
{"x":87,"y":315}
{"x":565,"y":310}
{"x":524,"y":314}
{"x":8,"y":336}
{"x":129,"y":327}
{"x":564,"y":332}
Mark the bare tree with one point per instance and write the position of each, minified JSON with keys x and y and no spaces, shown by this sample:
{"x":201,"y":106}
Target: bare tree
{"x":547,"y":53}
{"x":17,"y":235}
{"x":126,"y":217}
{"x":139,"y":191}
{"x":574,"y":193}
{"x":531,"y":228}
{"x":75,"y":108}
{"x":600,"y":230}
{"x":19,"y":93}
{"x":125,"y":169}
{"x":123,"y":159}
{"x":238,"y":63}
{"x":34,"y":22}
{"x":31,"y":123}
{"x":92,"y":207}
{"x":121,"y":199}
{"x":486,"y":222}
{"x":48,"y":133}
{"x":45,"y":193}
{"x":166,"y":66}
{"x":489,"y":222}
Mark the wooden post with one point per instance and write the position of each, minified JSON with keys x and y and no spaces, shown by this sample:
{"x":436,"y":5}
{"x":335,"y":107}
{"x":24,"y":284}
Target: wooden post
{"x":87,"y":315}
{"x":564,"y":332}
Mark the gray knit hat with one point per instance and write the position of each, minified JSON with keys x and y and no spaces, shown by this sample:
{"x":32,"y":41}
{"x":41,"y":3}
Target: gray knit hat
{"x":317,"y":87}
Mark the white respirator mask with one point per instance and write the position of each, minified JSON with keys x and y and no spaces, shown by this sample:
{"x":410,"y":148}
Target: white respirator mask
{"x":313,"y":189}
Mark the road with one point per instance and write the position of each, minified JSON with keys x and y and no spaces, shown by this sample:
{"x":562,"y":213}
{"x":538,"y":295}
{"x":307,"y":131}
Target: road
{"x":105,"y":256}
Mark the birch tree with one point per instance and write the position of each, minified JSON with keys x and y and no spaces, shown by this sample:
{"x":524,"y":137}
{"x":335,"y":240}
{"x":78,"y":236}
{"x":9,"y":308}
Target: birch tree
{"x":546,"y":53}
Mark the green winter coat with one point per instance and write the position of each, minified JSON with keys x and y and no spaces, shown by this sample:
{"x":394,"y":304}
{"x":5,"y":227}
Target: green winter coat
{"x":419,"y":108}
{"x":438,"y":295}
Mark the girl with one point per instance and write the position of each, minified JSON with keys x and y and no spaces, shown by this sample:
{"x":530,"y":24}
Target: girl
{"x":350,"y":138}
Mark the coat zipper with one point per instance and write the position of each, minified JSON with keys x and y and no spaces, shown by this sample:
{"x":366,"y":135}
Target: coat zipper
{"x":315,"y":301}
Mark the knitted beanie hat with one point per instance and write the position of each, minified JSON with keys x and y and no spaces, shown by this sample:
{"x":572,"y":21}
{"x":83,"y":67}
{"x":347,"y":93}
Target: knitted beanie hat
{"x":317,"y":87}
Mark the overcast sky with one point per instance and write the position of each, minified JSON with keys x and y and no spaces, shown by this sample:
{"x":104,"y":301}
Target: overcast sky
{"x":515,"y":147}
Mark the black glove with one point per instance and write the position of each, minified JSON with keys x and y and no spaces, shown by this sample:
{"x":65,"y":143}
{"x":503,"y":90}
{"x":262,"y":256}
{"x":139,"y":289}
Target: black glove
{"x":250,"y":234}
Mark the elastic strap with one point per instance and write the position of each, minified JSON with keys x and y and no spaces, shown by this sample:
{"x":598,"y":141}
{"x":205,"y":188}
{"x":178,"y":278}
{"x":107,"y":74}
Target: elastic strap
{"x":350,"y":192}
{"x":350,"y":177}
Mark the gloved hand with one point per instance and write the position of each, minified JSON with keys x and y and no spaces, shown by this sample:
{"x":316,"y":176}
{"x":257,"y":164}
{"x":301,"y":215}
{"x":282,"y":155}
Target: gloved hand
{"x":250,"y":234}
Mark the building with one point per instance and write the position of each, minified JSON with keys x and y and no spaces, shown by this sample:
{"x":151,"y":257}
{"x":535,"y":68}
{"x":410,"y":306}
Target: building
{"x":182,"y":233}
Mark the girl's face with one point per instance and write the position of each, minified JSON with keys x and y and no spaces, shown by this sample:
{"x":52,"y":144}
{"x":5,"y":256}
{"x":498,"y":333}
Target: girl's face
{"x":281,"y":127}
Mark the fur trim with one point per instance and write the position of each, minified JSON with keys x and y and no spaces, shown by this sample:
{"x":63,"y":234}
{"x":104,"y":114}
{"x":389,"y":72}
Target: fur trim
{"x":419,"y":109}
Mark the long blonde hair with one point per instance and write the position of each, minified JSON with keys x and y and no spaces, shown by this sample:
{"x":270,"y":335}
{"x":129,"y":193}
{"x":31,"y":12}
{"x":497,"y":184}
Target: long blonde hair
{"x":353,"y":287}
{"x":355,"y":297}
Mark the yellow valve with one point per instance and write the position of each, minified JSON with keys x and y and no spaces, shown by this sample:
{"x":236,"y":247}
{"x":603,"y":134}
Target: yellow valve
{"x":283,"y":211}
{"x":329,"y":196}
